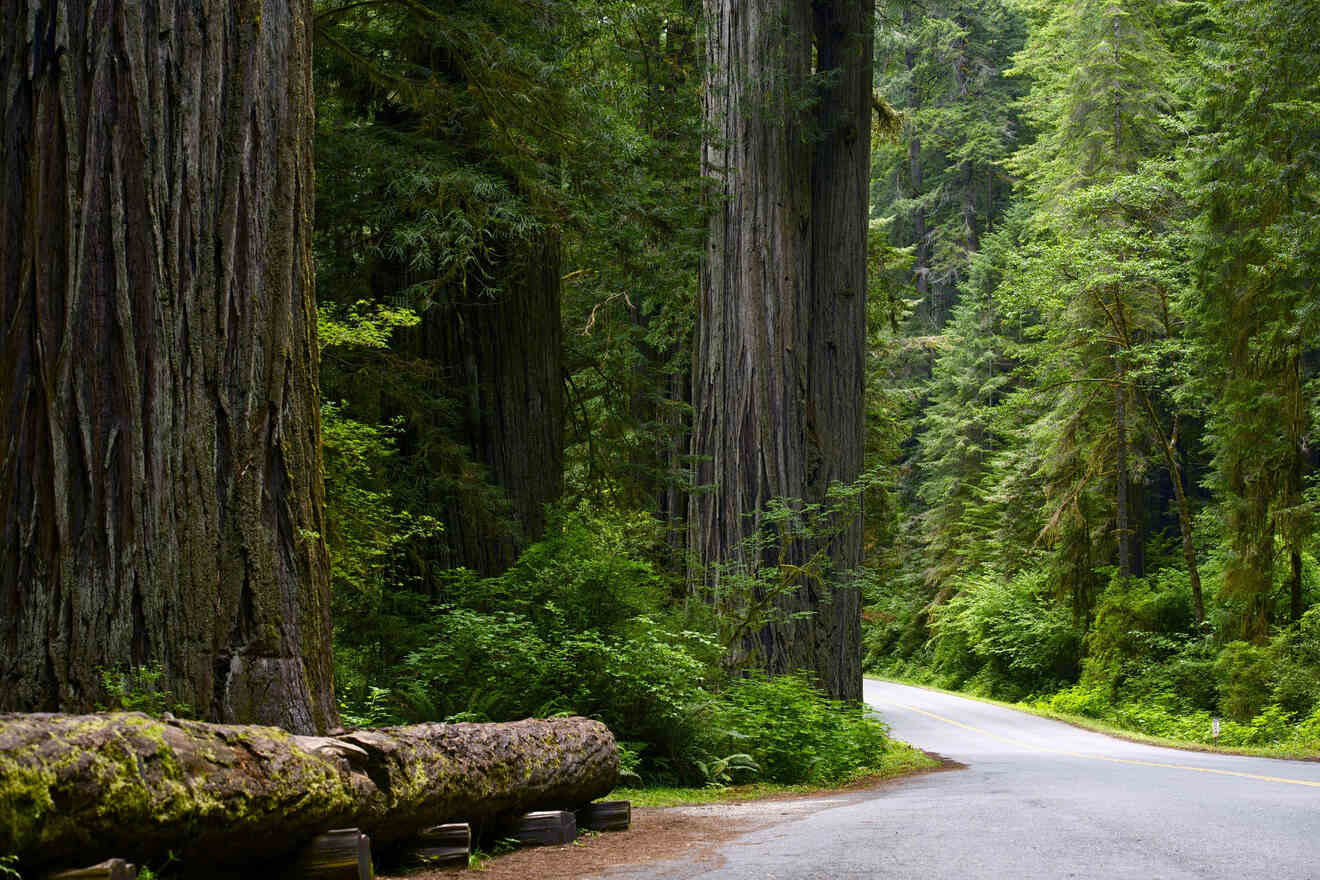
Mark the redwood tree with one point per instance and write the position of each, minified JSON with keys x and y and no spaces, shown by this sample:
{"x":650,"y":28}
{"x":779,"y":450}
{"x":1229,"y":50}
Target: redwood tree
{"x":777,"y":378}
{"x":160,"y":481}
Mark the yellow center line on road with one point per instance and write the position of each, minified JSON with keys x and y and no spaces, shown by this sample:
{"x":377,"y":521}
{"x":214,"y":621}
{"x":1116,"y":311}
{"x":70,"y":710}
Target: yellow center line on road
{"x":1018,"y":742}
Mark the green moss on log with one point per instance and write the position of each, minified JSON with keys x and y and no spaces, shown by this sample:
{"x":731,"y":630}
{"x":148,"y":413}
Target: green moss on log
{"x":123,"y":784}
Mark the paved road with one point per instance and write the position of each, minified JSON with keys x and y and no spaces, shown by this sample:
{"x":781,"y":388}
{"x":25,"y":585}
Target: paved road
{"x":1038,"y":799}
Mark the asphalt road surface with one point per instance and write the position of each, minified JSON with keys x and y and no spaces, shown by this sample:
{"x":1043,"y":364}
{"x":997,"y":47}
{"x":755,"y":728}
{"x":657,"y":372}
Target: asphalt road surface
{"x":1037,"y":799}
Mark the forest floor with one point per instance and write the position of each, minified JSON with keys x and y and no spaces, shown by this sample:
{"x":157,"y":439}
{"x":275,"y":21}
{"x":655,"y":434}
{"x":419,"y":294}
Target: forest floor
{"x":691,"y":832}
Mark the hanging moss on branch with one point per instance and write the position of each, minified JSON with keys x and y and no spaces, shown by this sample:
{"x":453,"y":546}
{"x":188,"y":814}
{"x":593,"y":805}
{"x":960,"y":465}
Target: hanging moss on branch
{"x":89,"y":787}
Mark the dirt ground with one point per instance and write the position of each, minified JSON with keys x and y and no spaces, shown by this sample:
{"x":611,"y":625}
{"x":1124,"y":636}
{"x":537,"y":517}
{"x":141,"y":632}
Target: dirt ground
{"x":692,"y":834}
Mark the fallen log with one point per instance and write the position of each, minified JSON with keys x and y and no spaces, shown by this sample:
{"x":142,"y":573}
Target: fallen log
{"x":482,"y":773}
{"x":89,"y":787}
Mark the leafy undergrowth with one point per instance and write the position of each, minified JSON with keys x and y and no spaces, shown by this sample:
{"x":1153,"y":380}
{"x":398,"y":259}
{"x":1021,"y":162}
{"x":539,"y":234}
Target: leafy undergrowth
{"x":900,"y":759}
{"x":1272,"y":733}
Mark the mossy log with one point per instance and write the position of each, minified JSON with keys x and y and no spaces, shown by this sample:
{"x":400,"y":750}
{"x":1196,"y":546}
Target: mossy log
{"x":88,"y":787}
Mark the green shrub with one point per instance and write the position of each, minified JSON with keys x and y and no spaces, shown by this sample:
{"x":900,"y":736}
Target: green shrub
{"x":1010,"y":634}
{"x":1307,"y":732}
{"x":588,"y":573}
{"x":574,"y":627}
{"x":893,"y":632}
{"x":794,"y":733}
{"x":1080,"y":700}
{"x":1245,"y":673}
{"x":1272,"y":725}
{"x":1191,"y":675}
{"x":649,"y":685}
{"x":478,"y":666}
{"x":1138,"y":623}
{"x":1296,"y":655}
{"x":140,"y":689}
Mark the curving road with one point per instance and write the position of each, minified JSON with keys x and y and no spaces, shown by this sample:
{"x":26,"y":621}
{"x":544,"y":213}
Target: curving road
{"x":1037,"y":799}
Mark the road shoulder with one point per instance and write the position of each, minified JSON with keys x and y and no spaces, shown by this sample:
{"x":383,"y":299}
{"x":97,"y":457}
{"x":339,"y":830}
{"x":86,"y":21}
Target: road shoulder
{"x":692,"y":833}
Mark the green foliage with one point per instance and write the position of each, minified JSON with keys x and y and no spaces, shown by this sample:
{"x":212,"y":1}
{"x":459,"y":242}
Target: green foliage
{"x":794,"y":734}
{"x":140,"y":689}
{"x":1296,"y":651}
{"x":366,"y":532}
{"x":790,"y":551}
{"x":1008,"y":637}
{"x":7,"y":869}
{"x":567,"y":629}
{"x":1244,"y":673}
{"x":1111,"y":214}
{"x":589,"y":572}
{"x":576,"y":626}
{"x":1254,"y":171}
{"x":729,"y":769}
{"x":1144,"y":641}
{"x":360,"y":325}
{"x":941,"y":66}
{"x":1131,"y":360}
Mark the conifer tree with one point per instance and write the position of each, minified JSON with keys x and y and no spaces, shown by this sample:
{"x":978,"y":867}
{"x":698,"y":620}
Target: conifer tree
{"x":945,"y":182}
{"x":160,"y":489}
{"x":959,"y":433}
{"x":1102,"y":268}
{"x":1257,"y":170}
{"x":778,"y":372}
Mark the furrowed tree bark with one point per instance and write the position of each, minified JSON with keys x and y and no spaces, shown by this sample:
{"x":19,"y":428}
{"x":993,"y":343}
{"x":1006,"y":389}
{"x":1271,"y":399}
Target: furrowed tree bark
{"x":781,"y":321}
{"x":836,"y":340}
{"x":504,"y":354}
{"x":78,"y":788}
{"x":160,"y":481}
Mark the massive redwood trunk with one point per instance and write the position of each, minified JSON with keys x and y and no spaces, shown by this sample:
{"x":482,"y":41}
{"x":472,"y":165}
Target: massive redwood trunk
{"x":781,"y":323}
{"x":502,"y":353}
{"x":160,"y":482}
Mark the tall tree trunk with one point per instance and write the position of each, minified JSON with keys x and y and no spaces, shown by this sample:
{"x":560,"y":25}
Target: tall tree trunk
{"x":160,"y":486}
{"x":1123,"y":527}
{"x":505,"y":353}
{"x":967,"y":170}
{"x":920,"y":236}
{"x":778,"y":367}
{"x":1169,"y":451}
{"x":836,"y":340}
{"x":1122,"y":476}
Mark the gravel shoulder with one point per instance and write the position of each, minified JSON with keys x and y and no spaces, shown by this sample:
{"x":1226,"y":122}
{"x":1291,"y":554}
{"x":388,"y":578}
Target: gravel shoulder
{"x":691,"y":833}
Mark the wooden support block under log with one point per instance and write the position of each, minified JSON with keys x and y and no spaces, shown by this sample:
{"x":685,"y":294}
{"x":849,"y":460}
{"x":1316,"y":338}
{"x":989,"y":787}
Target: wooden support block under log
{"x":111,"y":869}
{"x":439,"y":845}
{"x":605,"y":816}
{"x":343,"y":854}
{"x":545,"y":828}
